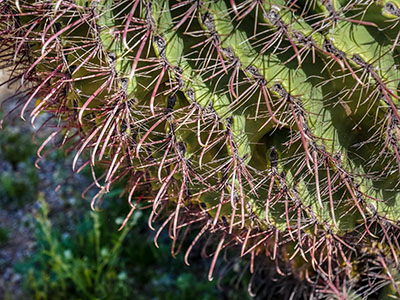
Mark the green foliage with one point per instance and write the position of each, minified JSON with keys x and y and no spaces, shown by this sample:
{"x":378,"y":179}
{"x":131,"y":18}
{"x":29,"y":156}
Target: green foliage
{"x":3,"y":236}
{"x":15,"y":147}
{"x":18,"y":177}
{"x":95,"y":261}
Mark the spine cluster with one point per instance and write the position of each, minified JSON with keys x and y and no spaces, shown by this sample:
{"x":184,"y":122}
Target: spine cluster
{"x":273,"y":126}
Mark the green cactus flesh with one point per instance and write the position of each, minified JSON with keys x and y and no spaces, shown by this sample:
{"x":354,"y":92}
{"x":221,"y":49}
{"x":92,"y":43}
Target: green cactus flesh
{"x":274,"y":123}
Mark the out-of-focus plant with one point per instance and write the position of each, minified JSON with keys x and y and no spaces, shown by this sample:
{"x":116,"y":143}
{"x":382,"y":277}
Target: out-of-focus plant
{"x":84,"y":265}
{"x":18,"y":176}
{"x":91,"y":264}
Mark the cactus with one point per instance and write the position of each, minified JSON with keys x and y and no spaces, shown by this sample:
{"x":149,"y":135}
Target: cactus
{"x":270,"y":125}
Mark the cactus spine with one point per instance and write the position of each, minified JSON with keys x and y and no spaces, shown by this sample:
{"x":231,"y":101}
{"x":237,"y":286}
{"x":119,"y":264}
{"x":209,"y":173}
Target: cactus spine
{"x":272,"y":124}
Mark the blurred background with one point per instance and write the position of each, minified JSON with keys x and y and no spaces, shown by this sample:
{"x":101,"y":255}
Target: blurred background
{"x":53,"y":246}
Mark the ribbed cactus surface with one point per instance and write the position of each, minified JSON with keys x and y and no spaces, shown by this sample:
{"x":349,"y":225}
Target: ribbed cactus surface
{"x":273,"y":125}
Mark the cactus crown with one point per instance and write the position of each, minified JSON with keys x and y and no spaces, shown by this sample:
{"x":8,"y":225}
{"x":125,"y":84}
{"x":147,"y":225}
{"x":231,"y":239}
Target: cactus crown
{"x":273,"y":123}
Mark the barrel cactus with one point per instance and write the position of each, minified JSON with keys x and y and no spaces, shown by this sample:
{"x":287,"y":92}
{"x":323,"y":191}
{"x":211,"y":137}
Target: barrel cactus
{"x":272,"y":126}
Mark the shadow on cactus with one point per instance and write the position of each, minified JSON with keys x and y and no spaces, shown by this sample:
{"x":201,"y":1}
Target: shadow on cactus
{"x":272,"y":126}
